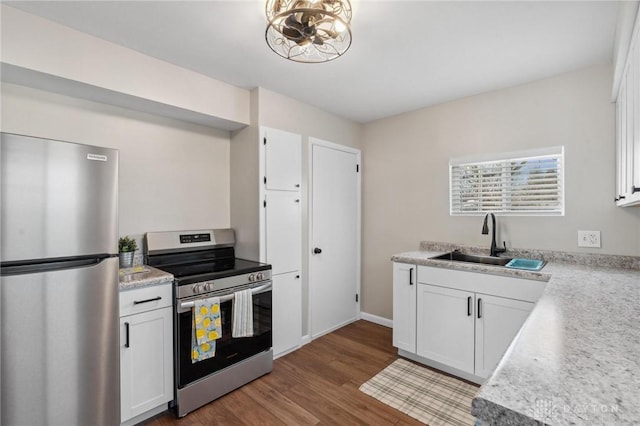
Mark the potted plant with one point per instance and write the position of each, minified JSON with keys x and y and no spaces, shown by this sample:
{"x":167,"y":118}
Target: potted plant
{"x":127,"y":246}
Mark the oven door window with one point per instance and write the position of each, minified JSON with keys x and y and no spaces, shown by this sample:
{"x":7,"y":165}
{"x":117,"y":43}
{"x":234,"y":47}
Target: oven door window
{"x":228,"y":349}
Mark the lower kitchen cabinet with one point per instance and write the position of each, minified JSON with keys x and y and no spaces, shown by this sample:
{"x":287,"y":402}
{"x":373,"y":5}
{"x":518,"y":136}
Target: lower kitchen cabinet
{"x":404,"y":306}
{"x":146,"y":354}
{"x":287,"y":312}
{"x":498,"y":320}
{"x":446,"y":326}
{"x":448,"y":320}
{"x":460,"y":322}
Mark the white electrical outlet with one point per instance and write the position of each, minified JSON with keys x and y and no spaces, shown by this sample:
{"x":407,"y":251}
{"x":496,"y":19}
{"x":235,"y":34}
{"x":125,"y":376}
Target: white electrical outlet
{"x":589,"y":239}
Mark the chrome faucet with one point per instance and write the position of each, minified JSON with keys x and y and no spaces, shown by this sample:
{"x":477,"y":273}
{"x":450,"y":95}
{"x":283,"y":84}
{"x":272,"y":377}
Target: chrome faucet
{"x":495,"y":251}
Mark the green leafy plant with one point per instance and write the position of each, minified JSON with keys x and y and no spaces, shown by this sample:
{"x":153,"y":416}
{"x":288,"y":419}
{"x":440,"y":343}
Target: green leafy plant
{"x":127,"y":244}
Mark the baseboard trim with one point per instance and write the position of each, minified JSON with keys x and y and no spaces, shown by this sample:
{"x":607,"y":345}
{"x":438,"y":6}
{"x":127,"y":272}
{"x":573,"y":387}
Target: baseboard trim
{"x":305,"y":340}
{"x":376,"y":319}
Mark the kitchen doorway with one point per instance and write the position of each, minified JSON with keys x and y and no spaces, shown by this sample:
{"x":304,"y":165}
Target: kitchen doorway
{"x":334,"y":239}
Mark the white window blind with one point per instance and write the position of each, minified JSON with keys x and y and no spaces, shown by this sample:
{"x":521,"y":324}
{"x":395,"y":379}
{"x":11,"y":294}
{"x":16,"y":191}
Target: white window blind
{"x":524,"y":183}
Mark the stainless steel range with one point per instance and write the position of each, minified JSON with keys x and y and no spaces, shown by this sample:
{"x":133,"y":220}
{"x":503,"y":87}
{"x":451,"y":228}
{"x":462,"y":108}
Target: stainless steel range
{"x":204,"y":265}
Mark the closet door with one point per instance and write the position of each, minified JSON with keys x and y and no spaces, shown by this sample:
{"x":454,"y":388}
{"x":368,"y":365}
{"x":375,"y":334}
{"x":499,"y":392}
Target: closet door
{"x":335,"y":237}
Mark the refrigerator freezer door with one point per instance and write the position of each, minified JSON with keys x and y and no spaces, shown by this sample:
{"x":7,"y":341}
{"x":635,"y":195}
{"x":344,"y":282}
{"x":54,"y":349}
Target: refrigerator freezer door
{"x":59,"y":199}
{"x":60,"y":347}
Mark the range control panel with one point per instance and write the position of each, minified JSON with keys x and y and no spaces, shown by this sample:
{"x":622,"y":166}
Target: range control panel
{"x":194,"y":238}
{"x":191,"y":239}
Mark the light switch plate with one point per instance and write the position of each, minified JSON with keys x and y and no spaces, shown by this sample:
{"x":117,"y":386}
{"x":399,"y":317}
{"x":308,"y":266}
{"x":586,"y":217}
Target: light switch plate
{"x":589,"y":239}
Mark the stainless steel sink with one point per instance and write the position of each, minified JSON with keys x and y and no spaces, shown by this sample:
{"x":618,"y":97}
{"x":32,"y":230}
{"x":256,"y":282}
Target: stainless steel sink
{"x":455,"y":256}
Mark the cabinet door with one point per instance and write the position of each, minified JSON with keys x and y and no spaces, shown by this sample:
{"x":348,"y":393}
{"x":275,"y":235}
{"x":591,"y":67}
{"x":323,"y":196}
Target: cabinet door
{"x":404,"y":306}
{"x":287,"y":312}
{"x":283,"y":160}
{"x":283,"y":231}
{"x":146,"y":361}
{"x":621,"y":144}
{"x":445,"y":326}
{"x":631,"y":110}
{"x":628,"y":132}
{"x":634,"y":149}
{"x":498,"y":320}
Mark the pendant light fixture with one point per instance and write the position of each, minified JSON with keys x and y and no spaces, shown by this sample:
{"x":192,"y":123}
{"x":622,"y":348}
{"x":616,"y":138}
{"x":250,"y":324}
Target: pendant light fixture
{"x":309,"y":30}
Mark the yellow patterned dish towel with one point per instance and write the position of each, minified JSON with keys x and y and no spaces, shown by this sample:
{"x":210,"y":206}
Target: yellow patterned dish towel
{"x":206,"y":328}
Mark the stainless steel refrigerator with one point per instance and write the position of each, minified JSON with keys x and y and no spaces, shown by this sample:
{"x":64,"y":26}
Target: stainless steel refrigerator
{"x":59,"y":354}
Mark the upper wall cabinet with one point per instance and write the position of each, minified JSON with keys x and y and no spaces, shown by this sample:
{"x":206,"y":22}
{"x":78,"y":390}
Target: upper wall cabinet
{"x":283,"y":160}
{"x":628,"y":127}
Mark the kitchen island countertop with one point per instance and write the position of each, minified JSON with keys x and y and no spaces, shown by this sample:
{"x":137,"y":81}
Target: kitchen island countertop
{"x":576,"y":359}
{"x":142,"y":276}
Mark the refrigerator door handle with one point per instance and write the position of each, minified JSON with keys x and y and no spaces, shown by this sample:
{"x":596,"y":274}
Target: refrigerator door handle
{"x":48,"y":265}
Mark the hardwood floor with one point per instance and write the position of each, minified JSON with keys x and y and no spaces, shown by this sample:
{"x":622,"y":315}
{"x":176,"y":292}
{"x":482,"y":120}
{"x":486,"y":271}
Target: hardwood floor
{"x":317,"y":384}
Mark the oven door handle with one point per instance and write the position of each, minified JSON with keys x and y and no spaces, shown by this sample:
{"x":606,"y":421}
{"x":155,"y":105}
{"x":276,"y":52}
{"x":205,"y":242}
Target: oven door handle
{"x":227,"y":297}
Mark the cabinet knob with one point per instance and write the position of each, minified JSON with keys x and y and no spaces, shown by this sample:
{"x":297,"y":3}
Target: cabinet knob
{"x":317,"y":250}
{"x":297,"y":185}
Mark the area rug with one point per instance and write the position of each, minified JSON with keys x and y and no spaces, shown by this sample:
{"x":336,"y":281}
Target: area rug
{"x":425,"y":395}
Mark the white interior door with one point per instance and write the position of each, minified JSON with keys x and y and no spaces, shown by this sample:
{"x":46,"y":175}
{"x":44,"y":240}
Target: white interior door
{"x":335,"y":237}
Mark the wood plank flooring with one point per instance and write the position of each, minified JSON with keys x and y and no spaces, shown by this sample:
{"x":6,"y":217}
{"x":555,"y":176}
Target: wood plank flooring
{"x":317,"y":384}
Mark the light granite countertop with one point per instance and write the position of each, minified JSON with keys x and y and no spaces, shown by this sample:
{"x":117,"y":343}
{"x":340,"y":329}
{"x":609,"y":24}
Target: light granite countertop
{"x":576,"y":360}
{"x":142,"y":276}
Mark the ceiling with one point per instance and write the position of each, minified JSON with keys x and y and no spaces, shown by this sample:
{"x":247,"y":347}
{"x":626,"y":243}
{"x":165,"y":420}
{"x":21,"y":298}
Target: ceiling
{"x":405,"y":55}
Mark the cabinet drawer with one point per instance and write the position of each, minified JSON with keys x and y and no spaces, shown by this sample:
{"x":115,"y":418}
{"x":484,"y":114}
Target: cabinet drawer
{"x":146,"y":299}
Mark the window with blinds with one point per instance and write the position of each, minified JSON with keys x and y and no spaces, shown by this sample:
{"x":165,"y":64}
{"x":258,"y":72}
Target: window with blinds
{"x":523,"y":183}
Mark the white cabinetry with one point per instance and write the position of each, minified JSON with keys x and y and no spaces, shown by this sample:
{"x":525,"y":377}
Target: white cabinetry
{"x":266,"y":213}
{"x":448,"y":320}
{"x":463,"y":322}
{"x":287,"y":327}
{"x":498,"y":320}
{"x":404,"y":306}
{"x":283,"y":231}
{"x":446,"y":326}
{"x":628,"y":128}
{"x":146,"y":352}
{"x":283,"y":160}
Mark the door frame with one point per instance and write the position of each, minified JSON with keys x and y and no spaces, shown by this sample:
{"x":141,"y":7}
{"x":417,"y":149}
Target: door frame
{"x":325,"y":144}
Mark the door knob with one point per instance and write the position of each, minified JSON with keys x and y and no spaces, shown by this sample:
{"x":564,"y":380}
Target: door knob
{"x":317,"y":250}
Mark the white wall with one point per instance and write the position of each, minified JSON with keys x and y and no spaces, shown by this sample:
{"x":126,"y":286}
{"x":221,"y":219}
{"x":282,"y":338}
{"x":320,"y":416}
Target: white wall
{"x":281,"y":112}
{"x":405,"y":172}
{"x":173,"y":175}
{"x":36,"y":44}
